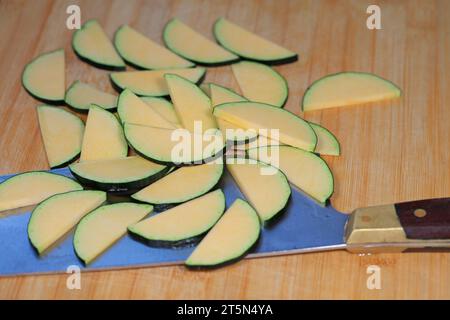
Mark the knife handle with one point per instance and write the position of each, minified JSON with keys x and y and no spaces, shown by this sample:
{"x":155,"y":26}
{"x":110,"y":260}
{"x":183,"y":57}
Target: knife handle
{"x":422,"y":225}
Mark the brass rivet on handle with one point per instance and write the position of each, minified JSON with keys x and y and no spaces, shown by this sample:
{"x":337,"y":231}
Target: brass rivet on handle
{"x":420,"y":213}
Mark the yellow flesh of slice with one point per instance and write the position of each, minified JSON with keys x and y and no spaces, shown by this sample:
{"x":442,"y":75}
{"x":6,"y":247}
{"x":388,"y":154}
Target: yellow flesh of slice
{"x":265,"y":187}
{"x":32,"y":187}
{"x":292,"y":130}
{"x":197,"y":216}
{"x":305,"y":170}
{"x":181,"y":185}
{"x":137,"y":48}
{"x":45,"y":76}
{"x":327,"y":143}
{"x":248,"y":44}
{"x":192,"y":45}
{"x":348,"y":88}
{"x":62,"y":133}
{"x":134,"y":110}
{"x":103,"y":137}
{"x":162,"y":147}
{"x":152,"y":82}
{"x":260,"y":83}
{"x":221,"y":95}
{"x":231,"y":237}
{"x":55,"y":217}
{"x":92,"y":43}
{"x":81,"y":95}
{"x":192,"y":106}
{"x":164,"y":108}
{"x":233,"y":132}
{"x":116,"y":170}
{"x":100,"y":229}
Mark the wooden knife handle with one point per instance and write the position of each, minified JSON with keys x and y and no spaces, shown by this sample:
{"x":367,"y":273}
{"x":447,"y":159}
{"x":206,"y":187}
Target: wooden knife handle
{"x":422,"y":225}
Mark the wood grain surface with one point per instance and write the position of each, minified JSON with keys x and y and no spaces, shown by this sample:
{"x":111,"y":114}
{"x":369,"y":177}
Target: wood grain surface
{"x":391,"y":152}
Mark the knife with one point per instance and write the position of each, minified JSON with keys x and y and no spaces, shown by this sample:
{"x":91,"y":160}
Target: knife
{"x":304,"y":226}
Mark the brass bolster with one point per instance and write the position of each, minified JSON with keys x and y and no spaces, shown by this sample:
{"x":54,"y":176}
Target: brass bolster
{"x":378,"y":229}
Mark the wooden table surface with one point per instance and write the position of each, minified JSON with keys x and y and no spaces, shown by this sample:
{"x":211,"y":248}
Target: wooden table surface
{"x":391,"y":152}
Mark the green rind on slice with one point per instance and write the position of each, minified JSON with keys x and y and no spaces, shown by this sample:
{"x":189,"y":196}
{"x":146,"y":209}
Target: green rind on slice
{"x":249,"y":45}
{"x":261,"y":83}
{"x":273,"y":122}
{"x":132,"y":109}
{"x":198,"y":216}
{"x":230,"y":239}
{"x":62,"y":134}
{"x":54,"y":217}
{"x":193,"y":46}
{"x":91,"y":44}
{"x":44,"y":77}
{"x":30,"y":188}
{"x":104,"y":226}
{"x":181,"y":185}
{"x":174,"y":147}
{"x":327,"y":144}
{"x":164,"y":108}
{"x":123,"y":175}
{"x":151,"y":82}
{"x":103,"y":137}
{"x":348,"y":88}
{"x":142,"y":52}
{"x":304,"y":169}
{"x":264,"y":186}
{"x":80,"y":96}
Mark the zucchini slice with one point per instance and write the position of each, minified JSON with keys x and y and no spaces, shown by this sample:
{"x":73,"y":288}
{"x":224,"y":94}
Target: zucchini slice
{"x":198,"y":216}
{"x":193,"y":46}
{"x":305,"y":170}
{"x":249,"y":45}
{"x":152,"y":82}
{"x":191,"y":104}
{"x":221,"y":95}
{"x":104,"y":226}
{"x":92,"y":45}
{"x":164,"y":108}
{"x":132,"y":109}
{"x":261,"y":141}
{"x":62,"y":134}
{"x":265,"y":187}
{"x":181,"y":185}
{"x":103,"y":137}
{"x":327,"y":144}
{"x":123,"y":175}
{"x":348,"y":88}
{"x":80,"y":96}
{"x":44,"y":77}
{"x":205,"y":88}
{"x":54,"y":217}
{"x":261,"y":83}
{"x":29,"y":188}
{"x":231,"y":132}
{"x":142,"y":52}
{"x":235,"y":233}
{"x":177,"y":146}
{"x":292,"y":129}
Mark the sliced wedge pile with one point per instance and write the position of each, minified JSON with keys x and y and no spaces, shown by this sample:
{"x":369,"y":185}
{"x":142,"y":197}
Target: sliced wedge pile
{"x":166,"y":146}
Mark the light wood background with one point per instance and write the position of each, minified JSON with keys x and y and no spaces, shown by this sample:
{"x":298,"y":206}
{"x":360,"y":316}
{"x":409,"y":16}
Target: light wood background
{"x":391,"y":152}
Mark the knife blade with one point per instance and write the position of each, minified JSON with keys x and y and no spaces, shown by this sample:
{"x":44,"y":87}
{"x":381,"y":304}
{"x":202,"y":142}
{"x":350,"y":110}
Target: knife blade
{"x":304,"y":226}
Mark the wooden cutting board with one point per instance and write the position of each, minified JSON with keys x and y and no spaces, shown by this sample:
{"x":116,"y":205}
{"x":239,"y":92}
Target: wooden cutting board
{"x":391,"y":152}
